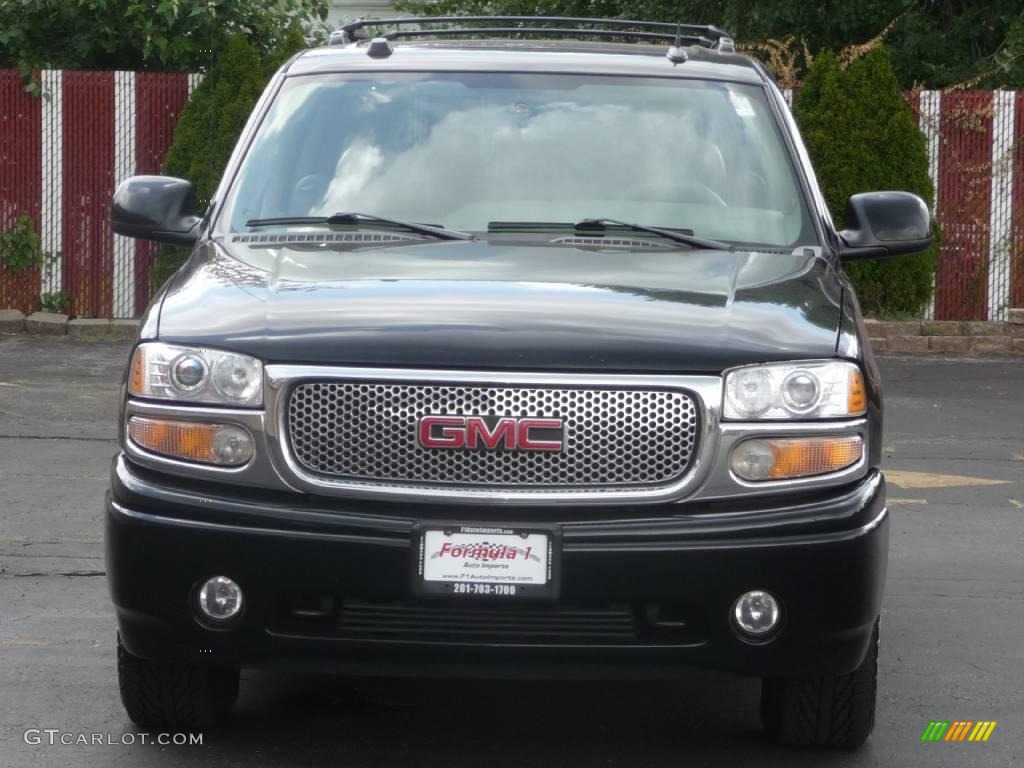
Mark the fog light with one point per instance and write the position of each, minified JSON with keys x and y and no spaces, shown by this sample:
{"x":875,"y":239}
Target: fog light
{"x":756,"y":613}
{"x":232,"y":445}
{"x":753,"y":460}
{"x":220,"y":599}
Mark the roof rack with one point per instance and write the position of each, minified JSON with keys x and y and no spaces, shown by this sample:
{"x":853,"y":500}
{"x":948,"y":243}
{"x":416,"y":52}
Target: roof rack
{"x":678,"y":34}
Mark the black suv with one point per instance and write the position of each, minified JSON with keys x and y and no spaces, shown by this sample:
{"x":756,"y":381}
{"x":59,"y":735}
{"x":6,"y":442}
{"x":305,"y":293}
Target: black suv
{"x":516,"y":346}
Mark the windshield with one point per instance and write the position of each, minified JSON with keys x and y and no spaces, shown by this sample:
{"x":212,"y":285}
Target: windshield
{"x":463,"y":150}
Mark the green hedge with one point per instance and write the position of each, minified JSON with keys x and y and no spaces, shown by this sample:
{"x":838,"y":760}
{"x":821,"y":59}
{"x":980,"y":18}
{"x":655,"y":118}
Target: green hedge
{"x":213,"y":120}
{"x":862,"y":136}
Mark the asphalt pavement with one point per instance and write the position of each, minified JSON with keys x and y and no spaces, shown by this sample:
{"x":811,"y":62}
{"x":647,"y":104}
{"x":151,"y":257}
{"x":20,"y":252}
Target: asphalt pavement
{"x":952,"y":626}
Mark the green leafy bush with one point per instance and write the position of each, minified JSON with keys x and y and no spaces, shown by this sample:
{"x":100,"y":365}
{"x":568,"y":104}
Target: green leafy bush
{"x":862,"y":136}
{"x":214,"y":118}
{"x":58,"y":302}
{"x":19,"y":246}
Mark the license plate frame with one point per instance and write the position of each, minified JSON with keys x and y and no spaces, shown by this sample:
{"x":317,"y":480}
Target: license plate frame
{"x":485,"y":583}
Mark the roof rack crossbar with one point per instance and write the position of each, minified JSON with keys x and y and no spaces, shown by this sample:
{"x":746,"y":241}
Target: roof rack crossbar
{"x":662,"y":36}
{"x":704,"y":35}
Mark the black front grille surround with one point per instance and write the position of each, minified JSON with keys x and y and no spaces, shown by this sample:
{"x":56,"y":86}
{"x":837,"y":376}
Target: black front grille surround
{"x":426,"y":622}
{"x":616,"y":438}
{"x":485,"y":622}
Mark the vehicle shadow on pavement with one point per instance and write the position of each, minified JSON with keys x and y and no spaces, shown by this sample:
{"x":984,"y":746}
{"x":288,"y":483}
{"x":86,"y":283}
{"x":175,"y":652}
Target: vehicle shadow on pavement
{"x":700,"y":719}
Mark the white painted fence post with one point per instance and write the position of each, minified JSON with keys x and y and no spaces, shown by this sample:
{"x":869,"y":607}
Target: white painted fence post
{"x":929,"y":116}
{"x":124,"y":166}
{"x":1001,"y":217}
{"x":52,"y":178}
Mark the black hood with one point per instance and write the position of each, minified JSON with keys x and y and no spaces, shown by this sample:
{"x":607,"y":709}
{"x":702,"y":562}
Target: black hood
{"x":480,"y":304}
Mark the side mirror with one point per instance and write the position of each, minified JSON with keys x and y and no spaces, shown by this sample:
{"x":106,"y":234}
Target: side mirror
{"x":159,"y":208}
{"x":883,"y":224}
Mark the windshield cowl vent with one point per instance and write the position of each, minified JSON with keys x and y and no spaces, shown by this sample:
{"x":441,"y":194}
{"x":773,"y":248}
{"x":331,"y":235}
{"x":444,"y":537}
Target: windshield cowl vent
{"x":611,"y":242}
{"x":324,"y":237}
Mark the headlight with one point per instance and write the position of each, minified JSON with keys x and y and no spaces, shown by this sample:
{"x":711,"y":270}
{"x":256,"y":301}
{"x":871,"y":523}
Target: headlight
{"x":810,"y":390}
{"x":168,"y":372}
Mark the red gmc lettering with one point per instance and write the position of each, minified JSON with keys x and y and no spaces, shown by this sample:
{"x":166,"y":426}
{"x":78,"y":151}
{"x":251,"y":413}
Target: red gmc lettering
{"x":452,"y":435}
{"x":528,"y":444}
{"x":473,"y":432}
{"x":504,"y":430}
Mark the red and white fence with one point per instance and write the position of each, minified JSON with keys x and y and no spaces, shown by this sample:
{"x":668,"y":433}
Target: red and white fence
{"x":61,"y":157}
{"x":976,"y":157}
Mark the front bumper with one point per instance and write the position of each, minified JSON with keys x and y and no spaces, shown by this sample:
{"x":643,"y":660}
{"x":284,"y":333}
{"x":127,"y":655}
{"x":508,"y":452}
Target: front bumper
{"x":329,"y":587}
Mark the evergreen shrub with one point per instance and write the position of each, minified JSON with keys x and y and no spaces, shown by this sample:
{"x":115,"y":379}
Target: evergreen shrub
{"x":212,"y":121}
{"x":862,"y":137}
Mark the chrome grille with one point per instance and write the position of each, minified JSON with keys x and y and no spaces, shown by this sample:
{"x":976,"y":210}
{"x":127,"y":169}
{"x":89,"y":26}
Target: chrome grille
{"x":615,"y":438}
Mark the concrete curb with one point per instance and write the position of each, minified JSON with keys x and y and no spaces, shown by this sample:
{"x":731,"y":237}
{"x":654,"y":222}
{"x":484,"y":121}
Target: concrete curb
{"x":103,"y":330}
{"x":124,"y":329}
{"x":949,"y":337}
{"x":12,"y":321}
{"x":46,"y":324}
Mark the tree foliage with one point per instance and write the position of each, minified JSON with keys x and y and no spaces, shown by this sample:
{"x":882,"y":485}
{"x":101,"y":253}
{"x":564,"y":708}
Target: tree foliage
{"x":935,"y":43}
{"x":214,"y":118}
{"x":862,"y":136}
{"x":169,"y":35}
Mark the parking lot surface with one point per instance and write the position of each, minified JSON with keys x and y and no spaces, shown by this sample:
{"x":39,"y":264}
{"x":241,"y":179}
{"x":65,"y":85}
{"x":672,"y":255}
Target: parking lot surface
{"x":952,"y":627}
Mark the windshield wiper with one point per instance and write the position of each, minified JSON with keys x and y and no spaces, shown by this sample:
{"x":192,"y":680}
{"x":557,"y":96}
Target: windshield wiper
{"x":686,"y":237}
{"x":355,"y":219}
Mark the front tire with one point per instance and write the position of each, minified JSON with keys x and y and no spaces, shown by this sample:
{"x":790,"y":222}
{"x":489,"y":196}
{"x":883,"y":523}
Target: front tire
{"x":826,"y":710}
{"x":174,"y":693}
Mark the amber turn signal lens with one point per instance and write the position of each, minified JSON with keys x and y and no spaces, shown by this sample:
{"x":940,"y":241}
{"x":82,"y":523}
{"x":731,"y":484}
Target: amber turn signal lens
{"x":800,"y":458}
{"x":223,"y":444}
{"x":137,"y":379}
{"x":785,"y":458}
{"x":856,"y":398}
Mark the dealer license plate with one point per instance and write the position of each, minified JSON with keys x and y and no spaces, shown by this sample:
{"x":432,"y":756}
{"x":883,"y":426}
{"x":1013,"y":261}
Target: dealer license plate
{"x":480,"y":561}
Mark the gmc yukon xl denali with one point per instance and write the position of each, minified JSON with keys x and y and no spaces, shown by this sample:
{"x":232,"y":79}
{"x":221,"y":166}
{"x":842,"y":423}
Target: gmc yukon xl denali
{"x":507,"y":345}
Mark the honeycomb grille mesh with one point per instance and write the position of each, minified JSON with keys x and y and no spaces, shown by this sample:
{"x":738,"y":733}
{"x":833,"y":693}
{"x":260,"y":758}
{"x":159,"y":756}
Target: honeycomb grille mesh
{"x":614,"y":438}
